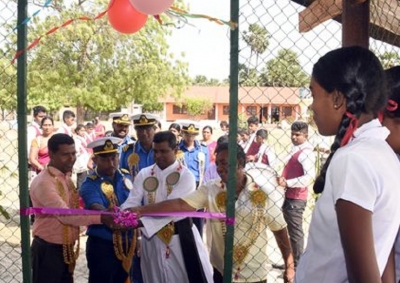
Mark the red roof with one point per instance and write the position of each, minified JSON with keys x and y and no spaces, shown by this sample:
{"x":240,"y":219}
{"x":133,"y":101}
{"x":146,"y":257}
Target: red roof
{"x":247,"y":95}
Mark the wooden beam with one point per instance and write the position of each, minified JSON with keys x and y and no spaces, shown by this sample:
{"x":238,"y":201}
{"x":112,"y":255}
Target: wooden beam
{"x":385,"y":22}
{"x":318,"y":12}
{"x":355,"y":23}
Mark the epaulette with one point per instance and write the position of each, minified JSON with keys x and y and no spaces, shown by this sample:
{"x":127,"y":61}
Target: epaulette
{"x":93,"y":177}
{"x":123,"y":170}
{"x":180,"y":154}
{"x":127,"y":146}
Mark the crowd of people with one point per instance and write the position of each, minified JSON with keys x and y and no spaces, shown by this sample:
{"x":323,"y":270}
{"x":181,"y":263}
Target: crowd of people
{"x":353,"y":235}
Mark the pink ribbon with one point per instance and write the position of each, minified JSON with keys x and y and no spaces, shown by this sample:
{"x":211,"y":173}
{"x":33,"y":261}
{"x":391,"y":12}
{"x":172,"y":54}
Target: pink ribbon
{"x":68,"y":211}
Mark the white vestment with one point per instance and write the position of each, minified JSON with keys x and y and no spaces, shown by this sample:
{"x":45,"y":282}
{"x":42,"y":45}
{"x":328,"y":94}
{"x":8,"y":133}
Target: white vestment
{"x":156,"y":266}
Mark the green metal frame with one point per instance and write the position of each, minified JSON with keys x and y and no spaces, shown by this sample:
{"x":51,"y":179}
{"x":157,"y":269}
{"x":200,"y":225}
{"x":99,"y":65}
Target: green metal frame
{"x":22,"y":141}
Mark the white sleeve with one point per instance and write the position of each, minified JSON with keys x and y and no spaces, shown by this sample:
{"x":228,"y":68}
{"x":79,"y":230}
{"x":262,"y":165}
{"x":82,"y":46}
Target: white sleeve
{"x":271,"y":156}
{"x":307,"y":161}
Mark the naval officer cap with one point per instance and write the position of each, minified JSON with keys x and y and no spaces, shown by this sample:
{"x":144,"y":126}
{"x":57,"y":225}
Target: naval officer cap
{"x":190,"y":127}
{"x":104,"y":145}
{"x":144,"y":120}
{"x":120,"y":118}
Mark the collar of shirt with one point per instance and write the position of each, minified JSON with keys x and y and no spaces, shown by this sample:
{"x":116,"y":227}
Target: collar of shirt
{"x":196,"y":145}
{"x":57,"y":173}
{"x":373,"y":128}
{"x":167,"y":170}
{"x":140,"y":148}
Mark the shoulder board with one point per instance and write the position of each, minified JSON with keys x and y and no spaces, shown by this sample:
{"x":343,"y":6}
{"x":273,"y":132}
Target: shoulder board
{"x":123,"y":170}
{"x":180,"y":154}
{"x":127,"y":146}
{"x":93,"y":177}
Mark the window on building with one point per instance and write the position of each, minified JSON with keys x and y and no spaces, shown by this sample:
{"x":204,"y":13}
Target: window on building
{"x":225,"y":109}
{"x":179,"y":109}
{"x":287,"y":111}
{"x":251,"y":110}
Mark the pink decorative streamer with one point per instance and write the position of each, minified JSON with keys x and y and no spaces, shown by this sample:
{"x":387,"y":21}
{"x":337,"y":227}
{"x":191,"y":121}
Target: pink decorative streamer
{"x":66,"y":211}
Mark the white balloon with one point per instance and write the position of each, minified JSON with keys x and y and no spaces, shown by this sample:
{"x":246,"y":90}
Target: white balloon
{"x":152,"y":7}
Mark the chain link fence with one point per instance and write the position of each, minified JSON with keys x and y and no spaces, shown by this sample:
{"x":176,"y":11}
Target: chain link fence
{"x":10,"y":233}
{"x":275,"y":63}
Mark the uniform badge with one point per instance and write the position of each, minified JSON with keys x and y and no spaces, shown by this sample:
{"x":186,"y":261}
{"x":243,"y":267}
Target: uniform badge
{"x":133,"y":160}
{"x":173,"y":178}
{"x":128,"y":183}
{"x":150,"y":184}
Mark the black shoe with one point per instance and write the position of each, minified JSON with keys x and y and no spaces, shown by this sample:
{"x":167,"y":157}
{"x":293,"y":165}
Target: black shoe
{"x":278,"y":266}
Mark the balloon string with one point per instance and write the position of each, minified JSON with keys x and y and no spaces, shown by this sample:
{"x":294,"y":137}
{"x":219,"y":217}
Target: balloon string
{"x":53,"y":30}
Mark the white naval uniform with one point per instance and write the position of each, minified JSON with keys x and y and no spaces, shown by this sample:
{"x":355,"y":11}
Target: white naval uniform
{"x":155,"y":266}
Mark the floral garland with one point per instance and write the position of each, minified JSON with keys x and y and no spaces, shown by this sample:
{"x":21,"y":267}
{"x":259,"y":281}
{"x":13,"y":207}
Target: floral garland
{"x":69,"y":254}
{"x":125,"y":257}
{"x":241,"y":249}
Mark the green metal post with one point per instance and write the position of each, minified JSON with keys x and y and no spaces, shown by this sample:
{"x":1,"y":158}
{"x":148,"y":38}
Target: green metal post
{"x":22,"y":141}
{"x":233,"y":120}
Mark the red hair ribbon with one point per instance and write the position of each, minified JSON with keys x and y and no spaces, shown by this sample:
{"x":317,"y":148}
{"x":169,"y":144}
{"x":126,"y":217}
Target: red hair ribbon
{"x":391,"y":105}
{"x":350,"y":130}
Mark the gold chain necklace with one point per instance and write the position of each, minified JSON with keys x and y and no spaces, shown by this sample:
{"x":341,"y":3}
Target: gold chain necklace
{"x":69,"y":255}
{"x":125,"y":257}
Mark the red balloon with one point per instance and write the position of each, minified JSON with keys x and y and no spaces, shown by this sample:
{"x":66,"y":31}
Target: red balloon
{"x":124,"y":18}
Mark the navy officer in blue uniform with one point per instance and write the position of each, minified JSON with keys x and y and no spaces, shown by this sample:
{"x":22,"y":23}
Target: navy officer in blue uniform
{"x":121,"y":124}
{"x":108,"y":256}
{"x":138,"y":155}
{"x":195,"y":158}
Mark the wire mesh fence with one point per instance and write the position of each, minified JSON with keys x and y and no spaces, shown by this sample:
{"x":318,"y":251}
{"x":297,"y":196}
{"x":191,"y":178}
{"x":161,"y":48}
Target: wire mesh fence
{"x":275,"y":64}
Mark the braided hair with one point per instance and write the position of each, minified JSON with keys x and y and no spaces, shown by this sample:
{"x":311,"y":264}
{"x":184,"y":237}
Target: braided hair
{"x":358,"y":75}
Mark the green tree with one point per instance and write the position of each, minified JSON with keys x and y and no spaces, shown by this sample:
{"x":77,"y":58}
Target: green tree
{"x":8,"y":87}
{"x":284,"y":71}
{"x":91,"y":66}
{"x":257,"y":38}
{"x":248,"y":76}
{"x":201,"y":80}
{"x":389,"y":59}
{"x":197,"y":106}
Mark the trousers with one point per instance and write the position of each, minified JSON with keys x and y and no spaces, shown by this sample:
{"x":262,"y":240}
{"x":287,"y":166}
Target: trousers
{"x":293,"y":210}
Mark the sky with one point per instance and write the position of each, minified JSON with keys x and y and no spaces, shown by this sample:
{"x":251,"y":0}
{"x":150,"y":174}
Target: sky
{"x":206,"y":44}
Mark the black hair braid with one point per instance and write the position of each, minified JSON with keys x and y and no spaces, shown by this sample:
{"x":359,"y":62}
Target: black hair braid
{"x":320,"y":180}
{"x":353,"y":107}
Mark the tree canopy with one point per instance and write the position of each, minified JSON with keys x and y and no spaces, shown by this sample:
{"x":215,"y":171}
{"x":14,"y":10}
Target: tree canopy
{"x":284,"y":71}
{"x":90,"y":65}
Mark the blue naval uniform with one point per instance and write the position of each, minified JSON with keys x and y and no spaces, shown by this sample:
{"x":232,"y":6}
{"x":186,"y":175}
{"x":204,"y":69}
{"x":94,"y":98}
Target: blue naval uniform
{"x":146,"y":159}
{"x":191,"y":157}
{"x":103,"y":264}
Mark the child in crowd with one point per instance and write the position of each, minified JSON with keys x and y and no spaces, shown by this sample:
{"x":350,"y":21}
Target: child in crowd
{"x":266,"y":153}
{"x":357,"y":217}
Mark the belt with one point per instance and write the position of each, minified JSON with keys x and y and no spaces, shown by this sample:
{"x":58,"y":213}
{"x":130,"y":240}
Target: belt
{"x":176,"y":229}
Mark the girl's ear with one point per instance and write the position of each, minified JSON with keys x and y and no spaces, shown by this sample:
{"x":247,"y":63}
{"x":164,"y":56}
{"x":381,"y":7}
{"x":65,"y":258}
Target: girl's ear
{"x":339,"y":100}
